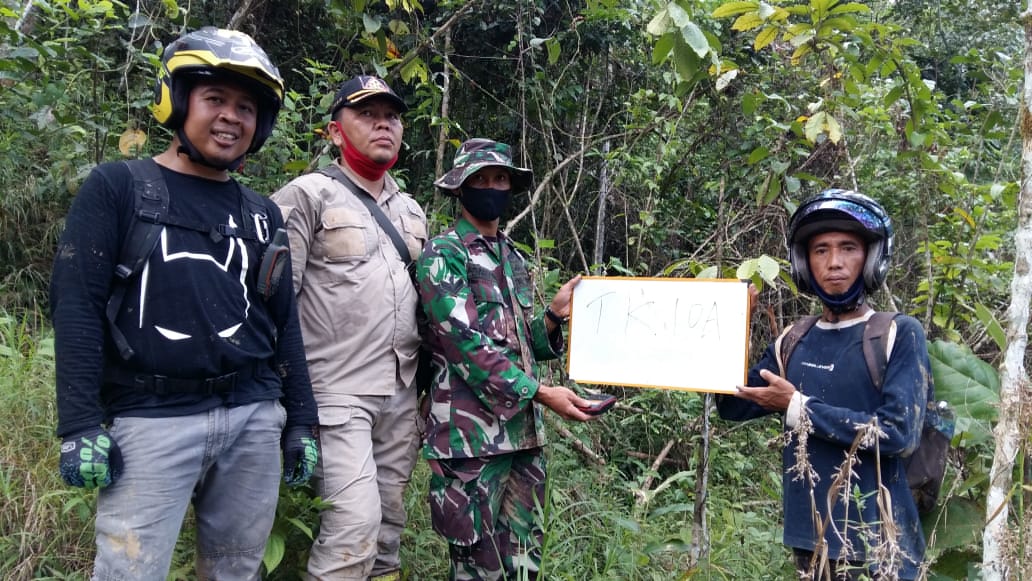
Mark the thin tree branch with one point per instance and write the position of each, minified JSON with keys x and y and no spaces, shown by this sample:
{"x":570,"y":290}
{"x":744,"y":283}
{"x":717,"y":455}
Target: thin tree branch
{"x":446,"y":27}
{"x":24,"y":21}
{"x":242,"y":12}
{"x":442,"y":134}
{"x":642,"y":496}
{"x":570,"y":439}
{"x":547,"y":178}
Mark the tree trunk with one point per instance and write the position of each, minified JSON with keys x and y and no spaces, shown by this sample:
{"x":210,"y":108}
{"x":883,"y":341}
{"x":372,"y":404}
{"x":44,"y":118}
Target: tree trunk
{"x":998,"y":563}
{"x":599,"y":257}
{"x":241,"y":13}
{"x":442,"y":133}
{"x":24,"y":24}
{"x":700,"y":530}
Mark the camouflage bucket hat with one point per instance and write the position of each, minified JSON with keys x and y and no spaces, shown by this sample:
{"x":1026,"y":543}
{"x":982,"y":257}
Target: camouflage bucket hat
{"x":476,"y":154}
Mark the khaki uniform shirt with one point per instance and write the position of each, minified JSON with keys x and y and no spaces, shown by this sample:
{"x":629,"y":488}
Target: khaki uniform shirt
{"x":356,"y":299}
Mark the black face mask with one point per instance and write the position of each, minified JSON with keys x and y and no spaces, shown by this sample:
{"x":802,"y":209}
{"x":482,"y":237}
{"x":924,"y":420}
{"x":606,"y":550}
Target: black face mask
{"x":485,"y":203}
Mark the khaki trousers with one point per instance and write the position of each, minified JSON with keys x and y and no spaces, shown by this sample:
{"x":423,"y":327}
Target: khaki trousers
{"x":368,"y":447}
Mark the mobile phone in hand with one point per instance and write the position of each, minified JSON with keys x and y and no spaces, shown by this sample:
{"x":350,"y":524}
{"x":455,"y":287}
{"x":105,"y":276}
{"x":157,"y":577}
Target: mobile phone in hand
{"x":600,"y":403}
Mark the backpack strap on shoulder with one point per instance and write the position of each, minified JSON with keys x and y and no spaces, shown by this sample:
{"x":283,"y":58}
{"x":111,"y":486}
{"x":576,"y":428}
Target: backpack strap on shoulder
{"x":876,"y":345}
{"x":254,"y":213}
{"x":789,"y":338}
{"x":150,"y":210}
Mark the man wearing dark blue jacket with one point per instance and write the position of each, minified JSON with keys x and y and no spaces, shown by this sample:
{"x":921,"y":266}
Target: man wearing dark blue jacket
{"x":856,"y":519}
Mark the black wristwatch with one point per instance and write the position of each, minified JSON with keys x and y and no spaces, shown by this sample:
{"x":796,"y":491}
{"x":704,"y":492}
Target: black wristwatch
{"x":554,"y":317}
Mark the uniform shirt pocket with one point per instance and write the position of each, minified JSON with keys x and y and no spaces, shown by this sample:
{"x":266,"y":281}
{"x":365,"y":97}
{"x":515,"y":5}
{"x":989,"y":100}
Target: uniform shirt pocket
{"x":345,"y":236}
{"x":490,"y":307}
{"x":524,"y":290}
{"x":415,"y":234}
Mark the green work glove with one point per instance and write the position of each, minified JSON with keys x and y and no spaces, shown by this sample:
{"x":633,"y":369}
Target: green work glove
{"x":90,"y":459}
{"x":300,"y":454}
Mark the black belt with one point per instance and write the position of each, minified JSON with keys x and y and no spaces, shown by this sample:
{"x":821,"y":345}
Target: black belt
{"x":163,"y":384}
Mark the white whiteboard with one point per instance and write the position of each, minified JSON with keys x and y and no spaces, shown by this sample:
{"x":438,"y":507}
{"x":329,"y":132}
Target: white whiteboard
{"x":670,"y":333}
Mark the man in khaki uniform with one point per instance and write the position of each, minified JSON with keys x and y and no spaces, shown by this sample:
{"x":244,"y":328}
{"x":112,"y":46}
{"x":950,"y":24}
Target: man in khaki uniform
{"x":358,"y":307}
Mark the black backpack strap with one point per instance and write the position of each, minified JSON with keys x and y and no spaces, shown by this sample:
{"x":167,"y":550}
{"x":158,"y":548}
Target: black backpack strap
{"x":385,"y":223}
{"x":251,"y":229}
{"x":786,"y":343}
{"x":150,"y":211}
{"x":876,"y":345}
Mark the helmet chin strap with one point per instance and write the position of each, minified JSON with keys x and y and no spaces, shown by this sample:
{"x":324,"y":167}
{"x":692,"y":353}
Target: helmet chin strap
{"x":846,"y":302}
{"x":195,"y":156}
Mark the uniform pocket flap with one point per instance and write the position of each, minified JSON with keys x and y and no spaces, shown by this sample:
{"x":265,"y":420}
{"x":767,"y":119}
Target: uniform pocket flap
{"x":342,"y":218}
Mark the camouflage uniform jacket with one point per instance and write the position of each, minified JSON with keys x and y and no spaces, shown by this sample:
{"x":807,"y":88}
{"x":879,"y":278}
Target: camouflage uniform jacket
{"x":485,"y":352}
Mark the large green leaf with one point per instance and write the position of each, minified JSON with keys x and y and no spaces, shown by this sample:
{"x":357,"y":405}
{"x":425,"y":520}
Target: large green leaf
{"x":662,"y":48}
{"x":960,"y":526}
{"x":765,"y":37}
{"x":764,"y":267}
{"x":678,"y":15}
{"x":970,"y":385}
{"x":833,"y":128}
{"x":659,"y":24}
{"x":815,"y":126}
{"x":733,"y":8}
{"x":747,"y":21}
{"x":695,"y":38}
{"x":275,"y":549}
{"x":687,"y":62}
{"x":992,"y":326}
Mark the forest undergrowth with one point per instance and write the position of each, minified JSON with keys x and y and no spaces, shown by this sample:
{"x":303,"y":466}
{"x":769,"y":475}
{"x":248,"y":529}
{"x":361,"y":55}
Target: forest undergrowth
{"x":612,"y":517}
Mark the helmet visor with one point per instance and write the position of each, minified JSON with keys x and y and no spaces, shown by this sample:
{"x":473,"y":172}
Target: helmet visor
{"x":838,"y":215}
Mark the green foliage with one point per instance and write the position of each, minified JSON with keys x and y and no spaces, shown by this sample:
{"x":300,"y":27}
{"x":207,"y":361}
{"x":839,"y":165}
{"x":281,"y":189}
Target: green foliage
{"x":972,"y":388}
{"x":286,"y":554}
{"x":705,"y":123}
{"x":968,"y":271}
{"x":59,"y":114}
{"x":45,"y":527}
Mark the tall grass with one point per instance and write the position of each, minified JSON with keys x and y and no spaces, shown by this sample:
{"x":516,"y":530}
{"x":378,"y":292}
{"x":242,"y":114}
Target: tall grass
{"x":45,"y":527}
{"x":595,"y":526}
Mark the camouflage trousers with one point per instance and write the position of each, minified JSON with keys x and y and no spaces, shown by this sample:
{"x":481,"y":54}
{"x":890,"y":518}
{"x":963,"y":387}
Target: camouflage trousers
{"x":488,"y":509}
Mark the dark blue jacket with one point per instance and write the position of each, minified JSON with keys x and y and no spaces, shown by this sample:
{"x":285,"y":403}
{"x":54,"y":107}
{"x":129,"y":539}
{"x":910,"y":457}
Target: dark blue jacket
{"x":828,"y":366}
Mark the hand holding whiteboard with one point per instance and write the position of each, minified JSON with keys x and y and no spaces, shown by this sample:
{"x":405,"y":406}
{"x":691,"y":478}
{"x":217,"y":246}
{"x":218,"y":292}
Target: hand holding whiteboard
{"x":669,"y":333}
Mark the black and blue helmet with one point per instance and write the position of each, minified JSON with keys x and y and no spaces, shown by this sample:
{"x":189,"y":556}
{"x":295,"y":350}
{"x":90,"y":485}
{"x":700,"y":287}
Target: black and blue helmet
{"x":837,"y":210}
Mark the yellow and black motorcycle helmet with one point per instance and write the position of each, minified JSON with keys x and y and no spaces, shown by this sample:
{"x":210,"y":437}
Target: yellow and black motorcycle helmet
{"x":215,"y":52}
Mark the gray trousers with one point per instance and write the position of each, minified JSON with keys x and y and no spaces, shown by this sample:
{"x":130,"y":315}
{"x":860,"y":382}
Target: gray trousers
{"x":225,"y":461}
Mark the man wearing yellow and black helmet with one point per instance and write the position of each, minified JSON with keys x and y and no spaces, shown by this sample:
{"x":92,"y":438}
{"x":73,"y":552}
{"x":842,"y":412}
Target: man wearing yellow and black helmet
{"x":181,"y":373}
{"x":213,"y":53}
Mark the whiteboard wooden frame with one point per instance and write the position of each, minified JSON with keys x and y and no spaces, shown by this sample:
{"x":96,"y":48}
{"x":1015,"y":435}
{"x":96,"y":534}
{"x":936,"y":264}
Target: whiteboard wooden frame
{"x":669,"y":333}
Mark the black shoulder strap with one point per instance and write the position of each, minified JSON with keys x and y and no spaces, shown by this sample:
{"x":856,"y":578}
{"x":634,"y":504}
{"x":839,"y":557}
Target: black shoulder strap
{"x":790,"y":338}
{"x":150,"y":209}
{"x":876,"y":345}
{"x":385,"y":223}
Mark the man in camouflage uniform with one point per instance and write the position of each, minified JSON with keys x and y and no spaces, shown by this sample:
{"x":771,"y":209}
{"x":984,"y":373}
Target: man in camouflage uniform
{"x":485,"y":429}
